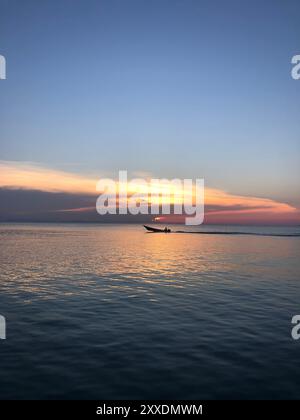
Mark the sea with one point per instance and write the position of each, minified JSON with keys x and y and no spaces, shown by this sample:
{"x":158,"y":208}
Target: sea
{"x":109,"y":311}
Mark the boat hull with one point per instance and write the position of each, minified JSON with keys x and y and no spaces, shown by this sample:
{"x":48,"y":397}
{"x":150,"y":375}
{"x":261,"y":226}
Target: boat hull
{"x":151,"y":229}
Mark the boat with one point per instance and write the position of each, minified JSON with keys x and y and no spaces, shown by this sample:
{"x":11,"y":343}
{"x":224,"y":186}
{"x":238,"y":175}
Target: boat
{"x":152,"y":229}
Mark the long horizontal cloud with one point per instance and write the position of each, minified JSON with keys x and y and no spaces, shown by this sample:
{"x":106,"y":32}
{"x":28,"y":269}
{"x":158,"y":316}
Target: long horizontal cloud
{"x":31,"y":192}
{"x":35,"y":177}
{"x":24,"y":205}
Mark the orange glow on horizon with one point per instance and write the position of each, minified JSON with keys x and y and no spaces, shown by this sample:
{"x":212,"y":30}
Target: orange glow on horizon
{"x":229,"y":207}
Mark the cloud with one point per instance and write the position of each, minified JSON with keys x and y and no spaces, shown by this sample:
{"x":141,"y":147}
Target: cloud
{"x":32,"y":192}
{"x":35,"y":177}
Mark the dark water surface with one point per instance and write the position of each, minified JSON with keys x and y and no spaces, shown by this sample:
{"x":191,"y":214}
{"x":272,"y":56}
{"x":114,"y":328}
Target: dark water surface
{"x":108,"y":311}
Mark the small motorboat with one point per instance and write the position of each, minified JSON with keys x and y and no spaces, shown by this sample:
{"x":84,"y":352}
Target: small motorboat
{"x":152,"y":229}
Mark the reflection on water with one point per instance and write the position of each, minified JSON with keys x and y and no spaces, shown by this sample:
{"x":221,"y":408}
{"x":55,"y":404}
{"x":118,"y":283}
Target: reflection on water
{"x":96,"y":311}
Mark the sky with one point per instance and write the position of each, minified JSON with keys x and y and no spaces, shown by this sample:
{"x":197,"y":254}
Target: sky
{"x":186,"y":89}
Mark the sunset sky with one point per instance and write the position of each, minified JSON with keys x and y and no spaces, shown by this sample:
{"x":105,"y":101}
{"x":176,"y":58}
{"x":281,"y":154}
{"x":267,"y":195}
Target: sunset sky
{"x":165,"y":89}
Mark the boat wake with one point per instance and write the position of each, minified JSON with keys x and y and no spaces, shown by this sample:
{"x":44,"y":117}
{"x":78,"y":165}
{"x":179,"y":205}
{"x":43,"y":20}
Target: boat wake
{"x":288,"y":235}
{"x":221,"y":232}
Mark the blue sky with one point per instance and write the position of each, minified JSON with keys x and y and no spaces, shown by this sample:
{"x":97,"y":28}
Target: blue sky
{"x":174,"y":88}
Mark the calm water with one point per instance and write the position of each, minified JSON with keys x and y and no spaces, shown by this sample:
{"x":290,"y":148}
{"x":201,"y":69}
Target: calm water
{"x":113,"y":312}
